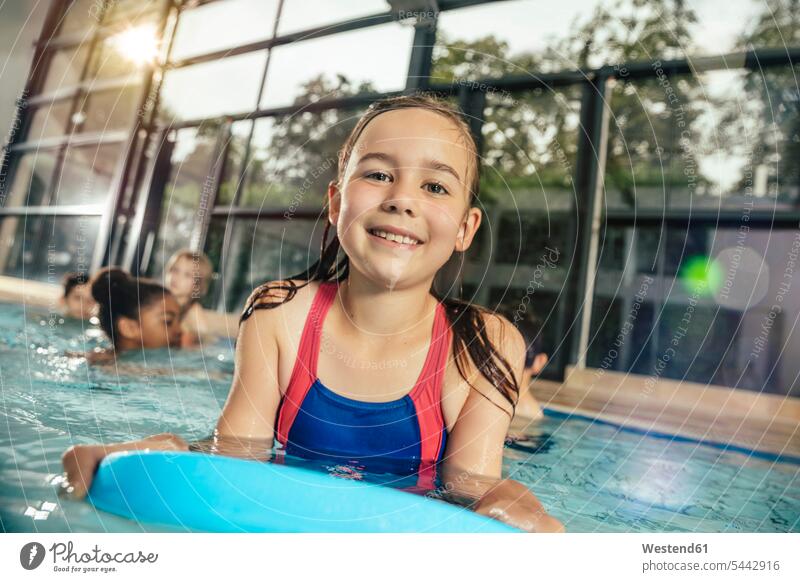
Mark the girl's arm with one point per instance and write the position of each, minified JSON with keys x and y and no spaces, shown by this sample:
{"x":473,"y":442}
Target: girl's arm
{"x":249,"y":413}
{"x":474,"y":455}
{"x":243,"y":430}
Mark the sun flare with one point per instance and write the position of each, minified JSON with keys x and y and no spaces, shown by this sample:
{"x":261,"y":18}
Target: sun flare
{"x":138,"y":45}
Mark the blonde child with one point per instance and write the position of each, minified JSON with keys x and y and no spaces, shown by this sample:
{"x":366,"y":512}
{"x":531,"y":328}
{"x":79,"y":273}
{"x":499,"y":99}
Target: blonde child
{"x":357,"y":357}
{"x":188,"y":276}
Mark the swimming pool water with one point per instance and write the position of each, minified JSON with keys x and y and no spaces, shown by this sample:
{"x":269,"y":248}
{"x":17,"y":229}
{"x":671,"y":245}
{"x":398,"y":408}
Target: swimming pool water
{"x":593,"y":476}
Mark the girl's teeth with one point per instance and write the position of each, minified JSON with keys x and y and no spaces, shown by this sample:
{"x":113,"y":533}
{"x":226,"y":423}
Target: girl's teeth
{"x":395,"y":237}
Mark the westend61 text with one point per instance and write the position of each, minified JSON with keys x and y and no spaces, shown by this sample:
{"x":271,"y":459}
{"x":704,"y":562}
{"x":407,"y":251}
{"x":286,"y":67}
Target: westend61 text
{"x":670,"y":549}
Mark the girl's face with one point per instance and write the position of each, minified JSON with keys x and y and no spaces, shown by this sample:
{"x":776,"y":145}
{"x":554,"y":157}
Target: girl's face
{"x":404,"y":206}
{"x":183,"y":279}
{"x":159,"y":325}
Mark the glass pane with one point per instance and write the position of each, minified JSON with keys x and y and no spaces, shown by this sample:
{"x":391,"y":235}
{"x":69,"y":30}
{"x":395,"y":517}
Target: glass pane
{"x":65,"y":68}
{"x":212,"y":89}
{"x":338,"y":66}
{"x":498,"y":38}
{"x":32,"y":176}
{"x":526,"y":180}
{"x":127,"y":12}
{"x":263,"y":250}
{"x":80,"y":16}
{"x":87,"y":174}
{"x":43,"y":248}
{"x":214,"y":242}
{"x":222,"y":25}
{"x":293,"y":158}
{"x":530,"y":144}
{"x":721,"y":311}
{"x":192,"y":159}
{"x":107,"y":110}
{"x":49,"y":120}
{"x":240,"y":133}
{"x":723,"y":138}
{"x":298,"y":15}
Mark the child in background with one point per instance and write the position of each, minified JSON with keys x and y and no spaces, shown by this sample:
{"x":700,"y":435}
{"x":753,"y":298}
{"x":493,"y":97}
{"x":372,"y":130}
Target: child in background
{"x":188,"y":276}
{"x":135,"y":313}
{"x":535,"y":360}
{"x":77,"y":301}
{"x":407,"y":374}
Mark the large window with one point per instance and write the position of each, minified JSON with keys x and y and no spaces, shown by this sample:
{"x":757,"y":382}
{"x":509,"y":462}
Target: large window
{"x":718,"y":139}
{"x":76,"y":117}
{"x":697,"y":263}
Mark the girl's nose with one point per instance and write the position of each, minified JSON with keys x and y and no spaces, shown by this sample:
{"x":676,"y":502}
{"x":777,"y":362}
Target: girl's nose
{"x":401,"y":200}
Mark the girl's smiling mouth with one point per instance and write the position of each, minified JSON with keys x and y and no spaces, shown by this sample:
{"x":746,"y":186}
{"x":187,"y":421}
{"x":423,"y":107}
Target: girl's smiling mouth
{"x":394,"y":237}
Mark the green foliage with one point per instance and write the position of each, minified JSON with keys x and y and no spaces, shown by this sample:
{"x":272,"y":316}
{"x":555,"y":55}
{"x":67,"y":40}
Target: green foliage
{"x":765,"y":121}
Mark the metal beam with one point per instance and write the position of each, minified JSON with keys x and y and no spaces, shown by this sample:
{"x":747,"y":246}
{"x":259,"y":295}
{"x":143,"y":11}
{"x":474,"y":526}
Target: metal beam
{"x":590,"y":169}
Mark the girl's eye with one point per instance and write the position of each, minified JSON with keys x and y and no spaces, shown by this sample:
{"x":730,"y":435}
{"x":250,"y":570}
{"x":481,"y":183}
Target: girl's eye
{"x":374,"y":174}
{"x":437,"y":188}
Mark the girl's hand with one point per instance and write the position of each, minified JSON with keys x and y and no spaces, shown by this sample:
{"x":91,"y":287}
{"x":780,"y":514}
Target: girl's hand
{"x":81,"y":461}
{"x":512,"y":503}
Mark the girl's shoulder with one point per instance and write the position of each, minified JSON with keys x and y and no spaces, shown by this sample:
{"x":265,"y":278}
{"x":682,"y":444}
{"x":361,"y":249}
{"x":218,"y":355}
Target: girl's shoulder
{"x":286,"y":300}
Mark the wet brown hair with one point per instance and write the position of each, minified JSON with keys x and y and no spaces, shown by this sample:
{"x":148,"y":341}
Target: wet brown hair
{"x":467,"y":321}
{"x":120,"y":294}
{"x":72,"y":280}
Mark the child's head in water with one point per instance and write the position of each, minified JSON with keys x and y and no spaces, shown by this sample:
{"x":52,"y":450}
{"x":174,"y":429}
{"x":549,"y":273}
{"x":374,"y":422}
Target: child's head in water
{"x":77,"y":300}
{"x":188,"y":275}
{"x":135,"y":313}
{"x":402,"y":203}
{"x":530,"y":326}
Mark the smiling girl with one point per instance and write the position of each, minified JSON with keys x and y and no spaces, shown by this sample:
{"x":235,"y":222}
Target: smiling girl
{"x":401,"y":205}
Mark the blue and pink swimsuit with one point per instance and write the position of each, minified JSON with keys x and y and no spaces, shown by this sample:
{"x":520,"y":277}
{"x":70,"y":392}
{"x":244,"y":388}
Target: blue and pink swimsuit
{"x":315,"y":422}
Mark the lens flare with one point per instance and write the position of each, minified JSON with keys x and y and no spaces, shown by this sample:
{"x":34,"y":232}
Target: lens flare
{"x":701,"y":275}
{"x":139,"y":44}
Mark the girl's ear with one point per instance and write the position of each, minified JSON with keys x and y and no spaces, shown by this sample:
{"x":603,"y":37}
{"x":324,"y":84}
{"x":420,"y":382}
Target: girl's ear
{"x":469,"y":226}
{"x":334,"y":203}
{"x":129,"y":328}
